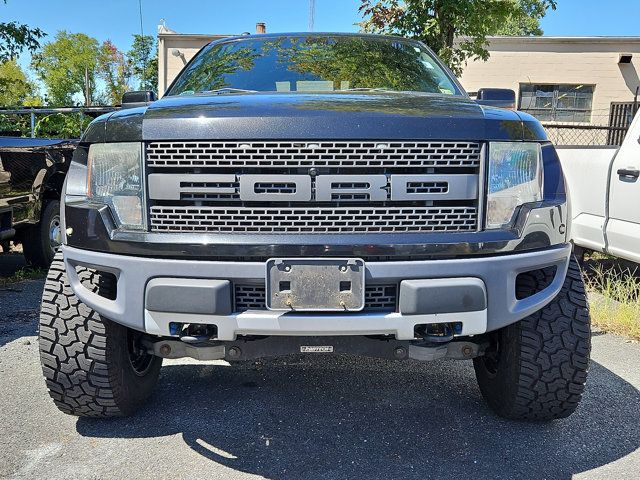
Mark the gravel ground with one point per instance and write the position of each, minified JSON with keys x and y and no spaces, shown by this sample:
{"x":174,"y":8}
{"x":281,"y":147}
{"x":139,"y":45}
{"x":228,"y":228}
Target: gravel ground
{"x":311,"y":417}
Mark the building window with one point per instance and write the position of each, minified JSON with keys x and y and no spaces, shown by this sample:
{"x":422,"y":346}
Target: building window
{"x":557,"y":103}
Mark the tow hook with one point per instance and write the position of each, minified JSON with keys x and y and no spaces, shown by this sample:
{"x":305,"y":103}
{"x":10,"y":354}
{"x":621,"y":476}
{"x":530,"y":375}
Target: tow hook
{"x":457,"y":350}
{"x":193,"y":333}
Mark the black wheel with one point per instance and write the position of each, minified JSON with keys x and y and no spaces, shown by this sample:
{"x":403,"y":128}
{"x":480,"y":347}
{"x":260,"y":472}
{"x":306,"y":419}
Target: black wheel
{"x":93,"y":367}
{"x":536,"y":369}
{"x":42,"y":242}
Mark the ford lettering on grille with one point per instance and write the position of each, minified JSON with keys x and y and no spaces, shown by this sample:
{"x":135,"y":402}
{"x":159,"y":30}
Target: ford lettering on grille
{"x":306,"y":188}
{"x":326,"y":187}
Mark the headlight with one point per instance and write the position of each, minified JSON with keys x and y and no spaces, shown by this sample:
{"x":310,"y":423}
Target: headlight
{"x":515,"y":178}
{"x":115,"y":179}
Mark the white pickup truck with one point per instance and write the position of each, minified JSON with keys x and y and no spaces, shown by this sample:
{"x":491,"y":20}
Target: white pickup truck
{"x":604,"y":188}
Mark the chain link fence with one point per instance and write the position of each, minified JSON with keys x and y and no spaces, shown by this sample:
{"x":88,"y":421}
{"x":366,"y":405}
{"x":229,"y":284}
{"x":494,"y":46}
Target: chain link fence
{"x":585,"y":135}
{"x":608,"y":128}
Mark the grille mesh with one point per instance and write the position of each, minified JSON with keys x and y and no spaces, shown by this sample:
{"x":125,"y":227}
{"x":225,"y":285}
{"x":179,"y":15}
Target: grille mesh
{"x":376,"y":297}
{"x":328,"y":220}
{"x":427,"y":187}
{"x":380,"y":297}
{"x":250,"y":297}
{"x":313,"y":154}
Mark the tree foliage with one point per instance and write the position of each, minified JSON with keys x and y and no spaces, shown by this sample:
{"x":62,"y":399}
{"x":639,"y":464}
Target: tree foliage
{"x":63,"y":64}
{"x":16,"y":89}
{"x":526,"y":20}
{"x":143,"y":58}
{"x":116,"y":71}
{"x":61,"y":125}
{"x":16,"y":37}
{"x":456,"y":29}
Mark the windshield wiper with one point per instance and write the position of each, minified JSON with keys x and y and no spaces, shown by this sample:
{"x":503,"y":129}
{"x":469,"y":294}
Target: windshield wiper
{"x":379,"y":89}
{"x":221,"y":91}
{"x":367,"y":89}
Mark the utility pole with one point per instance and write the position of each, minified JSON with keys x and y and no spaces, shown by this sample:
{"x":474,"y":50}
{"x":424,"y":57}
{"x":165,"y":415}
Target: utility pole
{"x":312,"y":14}
{"x":87,"y":88}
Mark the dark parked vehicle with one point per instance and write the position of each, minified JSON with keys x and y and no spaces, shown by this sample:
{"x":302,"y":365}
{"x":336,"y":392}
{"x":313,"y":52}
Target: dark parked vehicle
{"x":318,"y":194}
{"x":32,"y":173}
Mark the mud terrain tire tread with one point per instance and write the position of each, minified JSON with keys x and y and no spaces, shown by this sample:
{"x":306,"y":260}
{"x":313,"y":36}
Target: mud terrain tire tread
{"x":84,"y":357}
{"x":543,"y":360}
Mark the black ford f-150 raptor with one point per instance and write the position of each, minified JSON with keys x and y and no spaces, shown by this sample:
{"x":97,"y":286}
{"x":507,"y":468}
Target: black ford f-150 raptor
{"x":315,"y":193}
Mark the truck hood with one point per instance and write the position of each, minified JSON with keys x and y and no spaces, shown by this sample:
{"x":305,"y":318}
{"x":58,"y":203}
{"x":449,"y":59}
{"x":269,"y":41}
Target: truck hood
{"x":319,"y":116}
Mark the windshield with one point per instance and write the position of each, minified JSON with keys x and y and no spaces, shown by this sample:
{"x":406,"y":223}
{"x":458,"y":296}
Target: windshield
{"x":314,"y":64}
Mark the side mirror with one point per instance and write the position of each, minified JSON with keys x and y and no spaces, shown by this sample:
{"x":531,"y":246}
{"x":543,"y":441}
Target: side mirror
{"x":497,"y":97}
{"x":138,"y":99}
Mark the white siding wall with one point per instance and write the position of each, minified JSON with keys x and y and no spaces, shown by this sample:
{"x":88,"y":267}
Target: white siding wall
{"x":590,"y":61}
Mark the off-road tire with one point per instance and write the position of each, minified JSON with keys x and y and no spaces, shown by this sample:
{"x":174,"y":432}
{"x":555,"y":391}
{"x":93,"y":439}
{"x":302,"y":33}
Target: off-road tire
{"x":36,"y":243}
{"x":536,"y":369}
{"x":86,"y":359}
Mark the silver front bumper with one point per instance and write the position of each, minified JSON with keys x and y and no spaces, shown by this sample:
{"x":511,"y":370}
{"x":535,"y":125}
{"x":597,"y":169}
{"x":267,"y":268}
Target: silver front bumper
{"x":497,"y":274}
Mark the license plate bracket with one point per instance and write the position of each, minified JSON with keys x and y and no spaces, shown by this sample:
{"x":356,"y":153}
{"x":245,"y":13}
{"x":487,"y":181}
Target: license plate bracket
{"x":315,"y":285}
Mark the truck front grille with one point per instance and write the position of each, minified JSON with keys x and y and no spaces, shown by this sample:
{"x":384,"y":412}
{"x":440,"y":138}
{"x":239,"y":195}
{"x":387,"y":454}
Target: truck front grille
{"x":347,"y":154}
{"x":312,"y":220}
{"x":196,"y":187}
{"x":380,"y":298}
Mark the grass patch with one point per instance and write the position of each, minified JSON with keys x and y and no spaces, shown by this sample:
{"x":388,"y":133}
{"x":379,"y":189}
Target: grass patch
{"x":23,"y":274}
{"x":614,"y":299}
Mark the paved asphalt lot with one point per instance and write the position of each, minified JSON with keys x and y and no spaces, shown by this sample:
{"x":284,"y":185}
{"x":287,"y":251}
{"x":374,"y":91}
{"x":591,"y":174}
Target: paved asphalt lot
{"x":312,"y":417}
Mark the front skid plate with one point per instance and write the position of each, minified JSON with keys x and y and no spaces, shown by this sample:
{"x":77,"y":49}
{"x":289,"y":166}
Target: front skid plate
{"x":251,"y":349}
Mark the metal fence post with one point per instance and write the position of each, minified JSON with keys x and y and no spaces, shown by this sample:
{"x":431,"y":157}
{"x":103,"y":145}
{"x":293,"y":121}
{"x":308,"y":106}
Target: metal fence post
{"x":33,"y":124}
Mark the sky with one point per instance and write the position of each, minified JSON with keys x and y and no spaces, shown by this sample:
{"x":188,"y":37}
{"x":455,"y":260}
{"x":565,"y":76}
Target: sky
{"x":117,"y":20}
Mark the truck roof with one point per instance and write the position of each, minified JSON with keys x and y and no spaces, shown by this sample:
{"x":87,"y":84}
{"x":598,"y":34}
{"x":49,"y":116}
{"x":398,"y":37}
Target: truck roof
{"x":314,"y":34}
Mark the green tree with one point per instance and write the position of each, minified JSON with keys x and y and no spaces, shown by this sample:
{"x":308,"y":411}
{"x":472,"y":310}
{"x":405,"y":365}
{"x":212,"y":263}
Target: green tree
{"x":16,"y":89}
{"x":525,"y":21}
{"x":15,"y":37}
{"x":456,"y":29}
{"x":143,"y":57}
{"x":64,"y":66}
{"x":61,"y":125}
{"x":115,"y":69}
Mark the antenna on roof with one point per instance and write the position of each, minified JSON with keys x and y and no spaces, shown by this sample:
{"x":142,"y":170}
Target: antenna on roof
{"x":142,"y":39}
{"x":312,"y":14}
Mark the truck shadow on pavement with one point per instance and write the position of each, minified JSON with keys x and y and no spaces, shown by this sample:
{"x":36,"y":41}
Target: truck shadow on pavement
{"x":10,"y":263}
{"x":344,"y":417}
